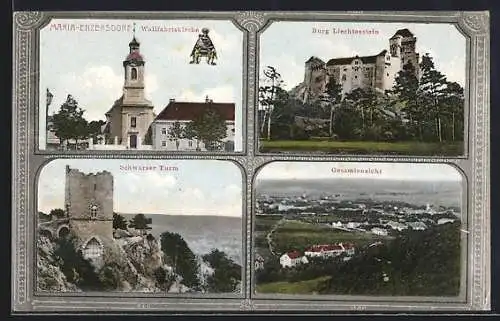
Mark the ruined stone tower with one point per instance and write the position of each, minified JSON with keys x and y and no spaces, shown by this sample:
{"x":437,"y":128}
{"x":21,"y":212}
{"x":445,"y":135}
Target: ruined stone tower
{"x":89,"y":207}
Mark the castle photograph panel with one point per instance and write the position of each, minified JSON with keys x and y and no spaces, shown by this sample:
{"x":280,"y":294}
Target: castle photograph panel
{"x":363,"y":229}
{"x":117,"y":225}
{"x":166,"y":85}
{"x":362,"y":88}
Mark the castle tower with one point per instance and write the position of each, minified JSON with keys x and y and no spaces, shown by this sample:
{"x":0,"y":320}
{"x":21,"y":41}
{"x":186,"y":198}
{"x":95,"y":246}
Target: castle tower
{"x":89,"y":205}
{"x":132,"y":114}
{"x":403,"y":46}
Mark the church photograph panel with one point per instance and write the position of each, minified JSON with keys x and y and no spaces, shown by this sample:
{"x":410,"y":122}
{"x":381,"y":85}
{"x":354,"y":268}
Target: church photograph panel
{"x":159,"y":85}
{"x":136,"y":226}
{"x":374,"y":88}
{"x":331,"y":230}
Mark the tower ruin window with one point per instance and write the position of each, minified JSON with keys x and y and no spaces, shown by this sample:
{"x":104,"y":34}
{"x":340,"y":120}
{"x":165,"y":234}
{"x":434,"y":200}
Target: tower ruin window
{"x":93,"y":211}
{"x":133,"y":74}
{"x":95,"y":187}
{"x":133,"y":122}
{"x":93,"y":249}
{"x":344,"y":77}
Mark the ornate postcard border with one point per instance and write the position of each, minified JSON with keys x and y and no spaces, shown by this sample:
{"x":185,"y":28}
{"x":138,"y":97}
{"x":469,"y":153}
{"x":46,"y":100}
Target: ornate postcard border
{"x":27,"y":161}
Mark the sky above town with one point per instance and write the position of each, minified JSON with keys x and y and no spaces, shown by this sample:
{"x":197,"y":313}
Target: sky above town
{"x":287,"y":45}
{"x":331,"y":170}
{"x":88,"y":65}
{"x":197,"y":187}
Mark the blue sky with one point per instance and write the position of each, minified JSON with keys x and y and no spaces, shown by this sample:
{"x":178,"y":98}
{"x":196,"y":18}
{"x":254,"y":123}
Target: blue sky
{"x":88,"y":65}
{"x":198,"y":187}
{"x":287,"y":45}
{"x":400,"y":171}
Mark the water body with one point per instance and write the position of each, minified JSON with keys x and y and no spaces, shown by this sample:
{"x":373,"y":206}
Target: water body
{"x":202,"y":233}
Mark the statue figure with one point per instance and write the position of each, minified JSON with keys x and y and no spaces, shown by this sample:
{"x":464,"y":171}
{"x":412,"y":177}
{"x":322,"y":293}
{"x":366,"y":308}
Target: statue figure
{"x":203,"y":48}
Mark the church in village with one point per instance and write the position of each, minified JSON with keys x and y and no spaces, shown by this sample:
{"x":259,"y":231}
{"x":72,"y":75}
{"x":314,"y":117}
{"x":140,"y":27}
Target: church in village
{"x":130,"y":117}
{"x":376,"y":71}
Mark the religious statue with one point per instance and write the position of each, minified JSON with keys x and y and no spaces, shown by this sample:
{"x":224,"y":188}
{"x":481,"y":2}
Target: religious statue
{"x":203,"y":48}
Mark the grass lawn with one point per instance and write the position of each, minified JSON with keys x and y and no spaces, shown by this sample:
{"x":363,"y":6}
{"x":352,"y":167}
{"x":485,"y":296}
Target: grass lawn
{"x":302,"y":287}
{"x":364,"y":147}
{"x":295,"y":235}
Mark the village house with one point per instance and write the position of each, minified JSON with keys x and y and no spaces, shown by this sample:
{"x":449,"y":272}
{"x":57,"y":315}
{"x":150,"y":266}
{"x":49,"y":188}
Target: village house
{"x":330,"y":250}
{"x":379,"y":231}
{"x":259,"y":262}
{"x":445,"y":220}
{"x":292,"y":259}
{"x":396,"y":226}
{"x":185,"y":112}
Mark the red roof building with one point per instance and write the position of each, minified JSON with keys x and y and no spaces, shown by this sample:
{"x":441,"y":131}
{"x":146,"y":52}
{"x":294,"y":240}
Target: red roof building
{"x":187,"y":111}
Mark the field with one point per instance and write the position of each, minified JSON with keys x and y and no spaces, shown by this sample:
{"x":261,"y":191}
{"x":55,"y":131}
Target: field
{"x":295,"y":235}
{"x":364,"y":147}
{"x":302,"y":287}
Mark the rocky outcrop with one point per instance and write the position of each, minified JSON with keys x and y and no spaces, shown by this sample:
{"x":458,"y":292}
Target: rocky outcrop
{"x":49,"y":275}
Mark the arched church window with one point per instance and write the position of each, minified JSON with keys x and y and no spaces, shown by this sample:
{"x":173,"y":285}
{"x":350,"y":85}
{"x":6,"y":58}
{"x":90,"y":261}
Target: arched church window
{"x":344,"y":77}
{"x":93,"y":249}
{"x":133,"y":74}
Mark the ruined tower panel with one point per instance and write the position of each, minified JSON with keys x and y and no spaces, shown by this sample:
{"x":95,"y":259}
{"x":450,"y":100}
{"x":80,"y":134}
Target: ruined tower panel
{"x":89,"y":196}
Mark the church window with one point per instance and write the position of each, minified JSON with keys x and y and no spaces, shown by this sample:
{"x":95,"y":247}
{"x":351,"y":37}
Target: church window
{"x":133,"y":74}
{"x":190,"y":143}
{"x":344,"y":77}
{"x":164,"y":131}
{"x":387,"y":74}
{"x":355,"y":77}
{"x":93,"y":211}
{"x":163,"y":143}
{"x":356,"y":62}
{"x":133,"y":122}
{"x":93,"y":249}
{"x":95,"y":187}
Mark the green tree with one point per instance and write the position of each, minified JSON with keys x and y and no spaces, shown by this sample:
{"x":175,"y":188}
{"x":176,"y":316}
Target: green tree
{"x":181,"y":258}
{"x":140,"y":222}
{"x":406,"y":90}
{"x":94,"y":129}
{"x":453,"y":101}
{"x":69,"y":123}
{"x":227,"y":274}
{"x":75,"y":267}
{"x":58,"y":213}
{"x":332,"y":96}
{"x":272,"y":83}
{"x":209,"y":127}
{"x":432,"y":87}
{"x":176,"y":133}
{"x":119,"y":222}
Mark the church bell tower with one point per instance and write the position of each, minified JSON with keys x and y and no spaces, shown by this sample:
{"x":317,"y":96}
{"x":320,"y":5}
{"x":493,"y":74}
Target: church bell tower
{"x":133,"y":88}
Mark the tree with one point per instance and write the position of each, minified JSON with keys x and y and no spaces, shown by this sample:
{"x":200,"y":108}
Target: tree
{"x":209,"y":127}
{"x":181,"y":258}
{"x":140,"y":222}
{"x":406,"y":89}
{"x":58,"y":213}
{"x":119,"y":222}
{"x":333,"y":97}
{"x":267,"y":95}
{"x":94,"y":129}
{"x":227,"y":274}
{"x":69,"y":123}
{"x":453,"y":100}
{"x":176,"y":133}
{"x":75,"y":267}
{"x":432,"y":87}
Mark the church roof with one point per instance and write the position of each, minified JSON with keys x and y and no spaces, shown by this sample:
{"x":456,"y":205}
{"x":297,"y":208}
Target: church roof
{"x":134,"y":42}
{"x":190,"y":110}
{"x":403,"y":33}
